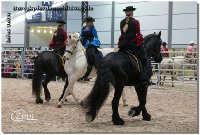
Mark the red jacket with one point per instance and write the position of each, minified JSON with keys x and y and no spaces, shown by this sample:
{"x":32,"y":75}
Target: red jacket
{"x":58,"y":39}
{"x":136,"y":34}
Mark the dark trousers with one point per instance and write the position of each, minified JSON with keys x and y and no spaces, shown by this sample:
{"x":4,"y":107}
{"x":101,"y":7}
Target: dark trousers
{"x":146,"y":72}
{"x":94,"y":58}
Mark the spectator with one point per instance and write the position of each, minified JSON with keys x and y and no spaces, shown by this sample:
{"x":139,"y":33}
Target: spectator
{"x":190,"y":50}
{"x":164,"y":50}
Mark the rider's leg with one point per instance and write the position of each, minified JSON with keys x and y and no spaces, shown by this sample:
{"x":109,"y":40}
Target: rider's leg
{"x":145,"y":72}
{"x":89,"y":67}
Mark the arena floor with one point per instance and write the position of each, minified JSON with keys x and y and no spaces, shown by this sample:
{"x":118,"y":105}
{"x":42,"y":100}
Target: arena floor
{"x":172,"y":109}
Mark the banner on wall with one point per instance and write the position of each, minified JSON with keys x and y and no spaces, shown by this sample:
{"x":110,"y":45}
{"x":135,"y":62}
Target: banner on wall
{"x":54,"y":15}
{"x":34,"y":18}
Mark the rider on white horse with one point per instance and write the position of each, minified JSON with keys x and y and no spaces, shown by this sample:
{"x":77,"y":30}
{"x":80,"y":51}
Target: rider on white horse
{"x":91,"y":42}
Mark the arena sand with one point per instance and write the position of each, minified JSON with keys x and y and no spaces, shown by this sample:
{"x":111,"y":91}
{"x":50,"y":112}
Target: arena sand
{"x":173,"y":110}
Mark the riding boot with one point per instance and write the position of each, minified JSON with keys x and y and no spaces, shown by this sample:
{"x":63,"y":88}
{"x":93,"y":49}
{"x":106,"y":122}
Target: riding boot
{"x":145,"y":74}
{"x":85,"y":77}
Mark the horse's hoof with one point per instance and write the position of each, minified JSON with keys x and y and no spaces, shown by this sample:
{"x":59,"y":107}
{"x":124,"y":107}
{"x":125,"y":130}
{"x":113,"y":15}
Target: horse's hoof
{"x":118,"y":121}
{"x":39,"y":101}
{"x":59,"y":106}
{"x":88,"y":118}
{"x":47,"y":99}
{"x":134,"y":111}
{"x":147,"y":117}
{"x":81,"y":103}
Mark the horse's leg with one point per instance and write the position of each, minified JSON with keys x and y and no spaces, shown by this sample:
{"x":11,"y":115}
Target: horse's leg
{"x":65,"y":87}
{"x":46,"y":91}
{"x":143,"y":96}
{"x":69,"y":89}
{"x":164,"y":80}
{"x":124,"y":98}
{"x":135,"y":111}
{"x":115,"y":104}
{"x":72,"y":82}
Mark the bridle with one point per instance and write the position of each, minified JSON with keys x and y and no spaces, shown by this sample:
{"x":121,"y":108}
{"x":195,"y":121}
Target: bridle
{"x":155,"y":54}
{"x":71,"y":52}
{"x":74,"y":50}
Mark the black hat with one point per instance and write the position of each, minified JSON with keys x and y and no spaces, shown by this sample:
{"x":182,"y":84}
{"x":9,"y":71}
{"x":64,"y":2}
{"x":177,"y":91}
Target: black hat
{"x":164,"y":43}
{"x":60,"y":22}
{"x":89,"y":19}
{"x":129,"y":8}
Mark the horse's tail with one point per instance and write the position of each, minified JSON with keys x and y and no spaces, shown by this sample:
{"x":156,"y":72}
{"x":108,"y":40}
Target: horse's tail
{"x":37,"y":78}
{"x":99,"y":93}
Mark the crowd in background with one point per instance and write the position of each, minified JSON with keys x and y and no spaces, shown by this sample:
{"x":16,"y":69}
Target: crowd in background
{"x":11,"y":60}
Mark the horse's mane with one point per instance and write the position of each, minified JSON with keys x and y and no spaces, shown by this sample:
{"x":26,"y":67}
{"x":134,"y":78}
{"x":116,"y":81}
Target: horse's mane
{"x":148,"y":37}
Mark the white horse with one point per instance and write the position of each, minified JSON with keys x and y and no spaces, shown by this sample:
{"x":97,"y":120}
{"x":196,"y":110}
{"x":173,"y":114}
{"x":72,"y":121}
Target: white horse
{"x":76,"y":65}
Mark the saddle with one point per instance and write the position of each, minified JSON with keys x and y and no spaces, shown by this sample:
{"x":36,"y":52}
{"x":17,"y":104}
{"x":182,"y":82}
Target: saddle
{"x":62,"y":60}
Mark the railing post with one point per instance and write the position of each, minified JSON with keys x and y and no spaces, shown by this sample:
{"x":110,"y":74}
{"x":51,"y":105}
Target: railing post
{"x":183,"y":72}
{"x":22,"y":63}
{"x":158,"y":74}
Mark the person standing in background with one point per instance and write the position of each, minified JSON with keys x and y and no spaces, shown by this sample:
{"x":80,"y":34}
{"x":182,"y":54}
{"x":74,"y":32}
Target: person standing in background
{"x":164,"y":50}
{"x":190,"y":50}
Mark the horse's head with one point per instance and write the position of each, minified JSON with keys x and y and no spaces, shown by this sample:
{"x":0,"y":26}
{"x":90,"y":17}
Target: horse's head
{"x":152,"y":44}
{"x":72,"y":38}
{"x":72,"y":44}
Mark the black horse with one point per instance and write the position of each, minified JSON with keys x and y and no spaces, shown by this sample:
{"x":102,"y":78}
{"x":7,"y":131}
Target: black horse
{"x":51,"y":64}
{"x":119,"y":69}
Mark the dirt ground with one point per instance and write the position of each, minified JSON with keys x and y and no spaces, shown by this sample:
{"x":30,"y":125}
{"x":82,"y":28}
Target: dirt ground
{"x":173,"y":110}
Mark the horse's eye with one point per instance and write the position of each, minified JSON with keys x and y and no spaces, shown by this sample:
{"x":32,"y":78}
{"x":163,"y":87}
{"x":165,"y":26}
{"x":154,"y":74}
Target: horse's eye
{"x":70,"y":36}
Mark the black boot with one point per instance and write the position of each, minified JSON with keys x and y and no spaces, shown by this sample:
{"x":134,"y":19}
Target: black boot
{"x":145,"y":74}
{"x":85,"y":77}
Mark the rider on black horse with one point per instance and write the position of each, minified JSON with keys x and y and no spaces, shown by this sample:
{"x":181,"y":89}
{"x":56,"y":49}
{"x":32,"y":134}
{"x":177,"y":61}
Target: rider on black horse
{"x":91,"y":42}
{"x":131,"y":40}
{"x":59,"y":39}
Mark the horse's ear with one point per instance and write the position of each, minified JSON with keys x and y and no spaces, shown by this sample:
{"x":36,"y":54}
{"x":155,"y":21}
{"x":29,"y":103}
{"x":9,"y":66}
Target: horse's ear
{"x":159,"y":34}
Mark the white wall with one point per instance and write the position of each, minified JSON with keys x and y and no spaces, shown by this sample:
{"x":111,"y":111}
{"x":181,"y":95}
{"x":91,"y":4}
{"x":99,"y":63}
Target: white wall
{"x":153,"y":17}
{"x":184,"y":23}
{"x":74,"y":18}
{"x":17,"y":29}
{"x":102,"y":13}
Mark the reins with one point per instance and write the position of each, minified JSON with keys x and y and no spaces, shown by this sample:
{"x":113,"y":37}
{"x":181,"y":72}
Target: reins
{"x":73,"y":51}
